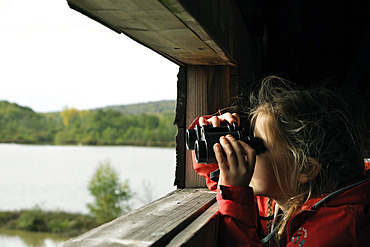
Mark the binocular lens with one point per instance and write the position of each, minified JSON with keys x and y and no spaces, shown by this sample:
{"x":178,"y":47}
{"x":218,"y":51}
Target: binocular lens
{"x":191,"y":137}
{"x":201,"y":152}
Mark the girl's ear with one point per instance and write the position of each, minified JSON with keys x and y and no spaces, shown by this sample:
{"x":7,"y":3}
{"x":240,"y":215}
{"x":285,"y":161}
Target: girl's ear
{"x":311,"y":173}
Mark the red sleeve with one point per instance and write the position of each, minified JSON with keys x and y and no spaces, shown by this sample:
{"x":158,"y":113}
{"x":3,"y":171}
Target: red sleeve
{"x":238,"y":210}
{"x":204,"y":169}
{"x":367,"y":166}
{"x":237,"y":207}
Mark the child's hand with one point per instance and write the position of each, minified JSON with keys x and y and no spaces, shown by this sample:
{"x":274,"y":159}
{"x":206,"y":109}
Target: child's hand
{"x":215,"y":121}
{"x":238,"y":166}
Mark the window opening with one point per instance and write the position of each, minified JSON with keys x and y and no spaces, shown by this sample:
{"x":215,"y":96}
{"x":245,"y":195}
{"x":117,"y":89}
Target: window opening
{"x":54,"y":61}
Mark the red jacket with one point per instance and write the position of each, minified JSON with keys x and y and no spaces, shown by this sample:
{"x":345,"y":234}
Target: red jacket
{"x":337,"y":220}
{"x":341,"y":218}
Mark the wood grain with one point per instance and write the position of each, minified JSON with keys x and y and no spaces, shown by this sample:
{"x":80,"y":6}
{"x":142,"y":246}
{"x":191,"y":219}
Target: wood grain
{"x":158,"y":26}
{"x":155,"y":224}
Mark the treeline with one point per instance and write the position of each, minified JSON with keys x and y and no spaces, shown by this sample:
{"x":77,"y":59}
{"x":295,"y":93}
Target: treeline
{"x":149,"y":108}
{"x":20,"y":124}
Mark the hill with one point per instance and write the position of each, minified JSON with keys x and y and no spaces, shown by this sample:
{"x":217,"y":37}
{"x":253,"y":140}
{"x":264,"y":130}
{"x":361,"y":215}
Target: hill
{"x":146,"y":124}
{"x":164,"y":106}
{"x":22,"y":125}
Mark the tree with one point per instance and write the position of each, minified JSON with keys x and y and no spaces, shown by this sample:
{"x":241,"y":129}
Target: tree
{"x":110,"y":194}
{"x":68,"y":115}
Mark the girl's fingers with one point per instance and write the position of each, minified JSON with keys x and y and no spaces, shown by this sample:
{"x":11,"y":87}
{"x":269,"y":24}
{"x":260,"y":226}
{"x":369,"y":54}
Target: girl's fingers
{"x":222,"y":165}
{"x":231,"y":155}
{"x":221,"y":160}
{"x":237,"y":118}
{"x":235,"y":152}
{"x":215,"y":121}
{"x":250,"y":154}
{"x":231,"y":118}
{"x":202,"y":121}
{"x":237,"y":165}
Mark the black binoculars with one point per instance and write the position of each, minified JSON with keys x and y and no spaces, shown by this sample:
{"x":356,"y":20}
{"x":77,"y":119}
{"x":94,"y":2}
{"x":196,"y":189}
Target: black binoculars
{"x":202,"y":138}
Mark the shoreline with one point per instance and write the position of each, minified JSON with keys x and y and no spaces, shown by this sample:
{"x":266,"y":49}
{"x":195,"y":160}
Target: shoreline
{"x":55,"y":222}
{"x":163,"y":145}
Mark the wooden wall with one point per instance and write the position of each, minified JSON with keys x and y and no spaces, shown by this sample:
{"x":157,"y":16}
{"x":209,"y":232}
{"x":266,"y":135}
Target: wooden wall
{"x":203,"y":90}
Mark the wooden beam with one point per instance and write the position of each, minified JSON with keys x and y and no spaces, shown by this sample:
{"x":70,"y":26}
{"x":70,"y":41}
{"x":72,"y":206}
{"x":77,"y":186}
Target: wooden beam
{"x":155,"y":224}
{"x":233,"y":28}
{"x":201,"y":232}
{"x":156,"y":25}
{"x":180,"y":122}
{"x":179,"y":11}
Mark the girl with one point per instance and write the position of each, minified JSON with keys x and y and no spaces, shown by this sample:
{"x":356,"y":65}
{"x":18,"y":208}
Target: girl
{"x":307,"y":188}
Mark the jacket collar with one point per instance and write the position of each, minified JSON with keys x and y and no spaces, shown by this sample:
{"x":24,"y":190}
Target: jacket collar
{"x":356,"y":193}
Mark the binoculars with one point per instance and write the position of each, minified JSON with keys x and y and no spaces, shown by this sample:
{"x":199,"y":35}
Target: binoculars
{"x":202,"y":138}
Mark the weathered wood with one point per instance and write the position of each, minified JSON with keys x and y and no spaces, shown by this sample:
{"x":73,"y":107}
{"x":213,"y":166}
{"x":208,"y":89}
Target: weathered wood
{"x":180,"y":158}
{"x":180,"y":122}
{"x":229,"y":27}
{"x":154,"y":24}
{"x":201,"y":232}
{"x":208,"y":90}
{"x":179,"y":11}
{"x":155,"y":224}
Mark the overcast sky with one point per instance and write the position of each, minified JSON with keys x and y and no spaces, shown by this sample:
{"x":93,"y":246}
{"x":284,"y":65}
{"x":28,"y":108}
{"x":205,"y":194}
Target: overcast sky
{"x":52,"y":57}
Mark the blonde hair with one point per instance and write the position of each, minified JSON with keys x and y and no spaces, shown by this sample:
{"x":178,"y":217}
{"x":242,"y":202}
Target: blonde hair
{"x":315,"y":127}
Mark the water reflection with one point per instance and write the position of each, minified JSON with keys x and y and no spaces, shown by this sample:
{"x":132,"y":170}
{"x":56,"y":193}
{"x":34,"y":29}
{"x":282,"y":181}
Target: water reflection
{"x":16,"y":238}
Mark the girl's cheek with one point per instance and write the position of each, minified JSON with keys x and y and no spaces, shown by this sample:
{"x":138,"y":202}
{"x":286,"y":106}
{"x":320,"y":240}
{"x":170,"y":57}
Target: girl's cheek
{"x":258,"y":170}
{"x":263,"y":168}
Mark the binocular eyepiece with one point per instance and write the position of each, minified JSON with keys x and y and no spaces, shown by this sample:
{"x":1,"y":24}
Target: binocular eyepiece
{"x":202,"y":138}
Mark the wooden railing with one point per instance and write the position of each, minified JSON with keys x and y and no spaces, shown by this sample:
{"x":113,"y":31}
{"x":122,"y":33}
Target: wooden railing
{"x":185,"y":217}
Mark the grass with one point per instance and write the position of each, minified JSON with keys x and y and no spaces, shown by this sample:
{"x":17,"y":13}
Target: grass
{"x":37,"y":220}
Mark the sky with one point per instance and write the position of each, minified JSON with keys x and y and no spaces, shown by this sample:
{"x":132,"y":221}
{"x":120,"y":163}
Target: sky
{"x":52,"y":57}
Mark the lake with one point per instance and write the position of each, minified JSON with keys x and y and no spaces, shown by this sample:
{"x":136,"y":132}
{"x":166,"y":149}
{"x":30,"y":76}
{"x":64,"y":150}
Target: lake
{"x":56,"y":177}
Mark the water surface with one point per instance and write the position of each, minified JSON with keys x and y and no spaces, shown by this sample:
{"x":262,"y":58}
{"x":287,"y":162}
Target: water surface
{"x":56,"y":178}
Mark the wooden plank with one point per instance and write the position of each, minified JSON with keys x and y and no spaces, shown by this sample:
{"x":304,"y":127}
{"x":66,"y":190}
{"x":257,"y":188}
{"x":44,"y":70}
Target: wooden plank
{"x":201,"y":232}
{"x":208,"y":89}
{"x":155,"y":224}
{"x":180,"y":122}
{"x":180,"y":158}
{"x":177,"y":9}
{"x":154,"y":25}
{"x":196,"y":105}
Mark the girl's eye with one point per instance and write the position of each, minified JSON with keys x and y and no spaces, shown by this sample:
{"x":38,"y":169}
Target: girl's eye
{"x":259,"y":146}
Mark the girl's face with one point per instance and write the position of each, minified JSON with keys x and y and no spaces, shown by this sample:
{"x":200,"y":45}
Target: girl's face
{"x":265,"y":181}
